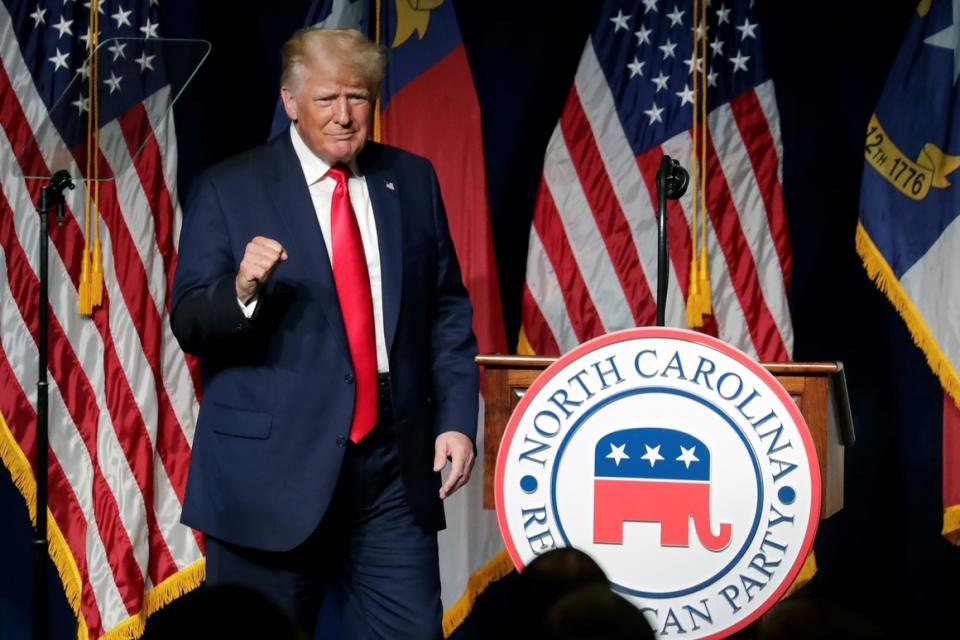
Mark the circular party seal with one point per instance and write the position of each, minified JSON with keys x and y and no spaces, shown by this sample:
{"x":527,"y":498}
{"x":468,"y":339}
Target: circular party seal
{"x":678,"y":463}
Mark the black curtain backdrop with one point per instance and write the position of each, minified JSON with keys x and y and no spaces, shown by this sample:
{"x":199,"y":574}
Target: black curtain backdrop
{"x":882,"y":555}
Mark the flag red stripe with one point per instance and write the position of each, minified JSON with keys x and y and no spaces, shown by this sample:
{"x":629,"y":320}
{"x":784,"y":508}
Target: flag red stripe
{"x":580,"y":308}
{"x":17,"y":411}
{"x":755,"y":132}
{"x":678,"y":231}
{"x":145,"y":154}
{"x":610,"y":219}
{"x":128,"y":422}
{"x":536,"y":328}
{"x":134,"y":439}
{"x":132,"y":279}
{"x":743,"y":272}
{"x":66,"y":371}
{"x":135,"y":125}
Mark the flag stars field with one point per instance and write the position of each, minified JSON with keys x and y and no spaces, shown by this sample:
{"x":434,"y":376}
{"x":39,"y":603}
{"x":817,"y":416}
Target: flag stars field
{"x":149,"y":29}
{"x":122,"y":17}
{"x":59,"y":60}
{"x":723,"y":15}
{"x":654,"y":113}
{"x":619,"y":21}
{"x":717,"y":48}
{"x":747,"y":29}
{"x":676,"y":17}
{"x":145,"y":61}
{"x":643,"y":35}
{"x":739,"y":62}
{"x":82,"y":104}
{"x":113,"y":82}
{"x":117,"y":50}
{"x":63,"y":27}
{"x":668,"y":49}
{"x":38,"y":17}
{"x":661,"y":81}
{"x":86,"y":5}
{"x":689,"y":62}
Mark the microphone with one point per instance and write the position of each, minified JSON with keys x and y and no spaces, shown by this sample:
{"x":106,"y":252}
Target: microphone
{"x":672,"y":178}
{"x":672,"y":182}
{"x":52,"y":194}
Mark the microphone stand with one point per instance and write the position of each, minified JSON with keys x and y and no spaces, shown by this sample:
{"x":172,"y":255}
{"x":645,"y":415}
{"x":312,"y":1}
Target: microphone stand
{"x":50,"y":196}
{"x":672,"y":181}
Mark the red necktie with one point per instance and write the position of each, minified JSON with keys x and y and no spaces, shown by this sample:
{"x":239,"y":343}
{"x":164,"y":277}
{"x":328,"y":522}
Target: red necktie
{"x":356,"y":304}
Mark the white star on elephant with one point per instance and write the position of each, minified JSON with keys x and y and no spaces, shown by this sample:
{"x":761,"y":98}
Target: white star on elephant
{"x":617,"y":453}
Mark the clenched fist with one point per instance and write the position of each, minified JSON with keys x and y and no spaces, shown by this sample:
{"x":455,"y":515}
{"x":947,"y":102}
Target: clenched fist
{"x":260,"y":259}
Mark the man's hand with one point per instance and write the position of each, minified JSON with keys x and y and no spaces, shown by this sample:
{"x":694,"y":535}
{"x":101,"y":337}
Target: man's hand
{"x":260,"y":259}
{"x":458,"y":449}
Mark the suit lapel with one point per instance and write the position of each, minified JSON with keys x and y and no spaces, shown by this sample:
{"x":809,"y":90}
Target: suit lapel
{"x":384,"y":192}
{"x":291,"y":199}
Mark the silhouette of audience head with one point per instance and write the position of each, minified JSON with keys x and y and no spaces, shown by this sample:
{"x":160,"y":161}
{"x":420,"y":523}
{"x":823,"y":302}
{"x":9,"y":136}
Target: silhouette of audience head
{"x":594,"y":612}
{"x":554,"y":574}
{"x":564,"y":591}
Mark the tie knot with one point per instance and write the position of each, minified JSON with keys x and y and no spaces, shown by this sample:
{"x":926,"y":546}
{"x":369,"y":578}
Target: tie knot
{"x":339,"y":173}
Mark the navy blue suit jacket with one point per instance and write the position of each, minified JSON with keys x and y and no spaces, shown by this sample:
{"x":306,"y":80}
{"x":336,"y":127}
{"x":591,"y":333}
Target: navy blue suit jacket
{"x":278,"y":388}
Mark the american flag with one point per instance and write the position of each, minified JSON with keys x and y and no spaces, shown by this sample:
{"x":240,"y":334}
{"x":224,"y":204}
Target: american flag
{"x":123,"y":397}
{"x":591,"y":265}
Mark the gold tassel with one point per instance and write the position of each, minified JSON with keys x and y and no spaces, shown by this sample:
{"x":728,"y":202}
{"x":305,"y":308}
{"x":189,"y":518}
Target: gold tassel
{"x":694,"y":299}
{"x":706,"y":296}
{"x":96,"y":275}
{"x":84,"y":306}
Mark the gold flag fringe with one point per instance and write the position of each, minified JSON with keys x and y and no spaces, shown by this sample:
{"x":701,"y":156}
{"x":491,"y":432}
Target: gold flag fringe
{"x":807,"y":571}
{"x":180,"y":583}
{"x":951,"y":524}
{"x":883,"y":276}
{"x":495,"y":568}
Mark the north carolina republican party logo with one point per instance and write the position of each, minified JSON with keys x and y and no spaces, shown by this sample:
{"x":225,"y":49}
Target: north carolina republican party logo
{"x":676,"y":461}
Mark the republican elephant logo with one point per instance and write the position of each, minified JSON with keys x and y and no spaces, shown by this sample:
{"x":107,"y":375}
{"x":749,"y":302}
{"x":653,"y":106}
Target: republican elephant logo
{"x":654,"y":475}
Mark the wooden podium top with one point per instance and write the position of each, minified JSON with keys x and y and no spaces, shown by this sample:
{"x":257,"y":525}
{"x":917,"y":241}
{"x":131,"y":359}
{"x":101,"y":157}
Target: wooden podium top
{"x":818,"y":388}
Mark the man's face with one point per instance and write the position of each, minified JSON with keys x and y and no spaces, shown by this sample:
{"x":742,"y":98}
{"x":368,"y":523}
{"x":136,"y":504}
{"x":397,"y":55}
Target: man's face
{"x":330,"y":110}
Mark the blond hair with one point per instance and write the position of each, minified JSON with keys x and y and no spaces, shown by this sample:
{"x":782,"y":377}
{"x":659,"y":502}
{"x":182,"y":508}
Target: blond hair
{"x":336,"y":50}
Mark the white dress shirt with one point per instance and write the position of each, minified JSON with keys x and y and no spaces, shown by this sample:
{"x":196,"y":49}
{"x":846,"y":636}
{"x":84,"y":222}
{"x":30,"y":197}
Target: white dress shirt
{"x":321,"y":188}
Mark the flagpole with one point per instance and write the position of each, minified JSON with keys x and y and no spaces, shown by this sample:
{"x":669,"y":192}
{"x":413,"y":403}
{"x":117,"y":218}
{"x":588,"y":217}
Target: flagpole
{"x":50,"y":196}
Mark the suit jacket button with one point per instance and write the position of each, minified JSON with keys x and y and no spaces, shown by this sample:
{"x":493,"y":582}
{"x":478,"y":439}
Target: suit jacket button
{"x":341,"y":441}
{"x":348,"y":378}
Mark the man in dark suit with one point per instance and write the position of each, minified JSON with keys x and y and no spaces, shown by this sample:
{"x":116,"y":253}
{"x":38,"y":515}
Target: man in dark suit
{"x":318,"y":284}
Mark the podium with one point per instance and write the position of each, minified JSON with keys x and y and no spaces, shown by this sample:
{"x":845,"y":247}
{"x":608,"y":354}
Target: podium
{"x":818,"y":388}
